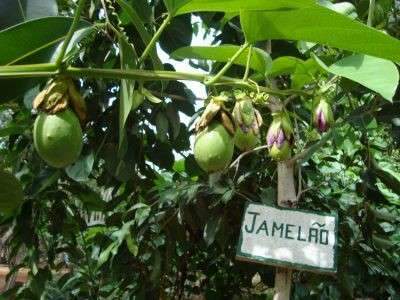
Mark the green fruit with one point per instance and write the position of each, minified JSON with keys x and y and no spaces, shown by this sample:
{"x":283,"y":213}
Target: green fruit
{"x":213,"y":148}
{"x":245,"y":141}
{"x":281,"y":153}
{"x":58,"y":138}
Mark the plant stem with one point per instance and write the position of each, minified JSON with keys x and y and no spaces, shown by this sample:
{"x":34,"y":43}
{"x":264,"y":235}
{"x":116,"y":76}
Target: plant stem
{"x":227,"y":65}
{"x":371,"y":12}
{"x":246,"y":72}
{"x":70,"y":33}
{"x":48,"y":70}
{"x":155,"y":38}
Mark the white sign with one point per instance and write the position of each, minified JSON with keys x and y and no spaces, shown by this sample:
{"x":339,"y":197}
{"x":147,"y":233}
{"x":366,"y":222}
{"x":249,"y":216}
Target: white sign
{"x":288,"y":237}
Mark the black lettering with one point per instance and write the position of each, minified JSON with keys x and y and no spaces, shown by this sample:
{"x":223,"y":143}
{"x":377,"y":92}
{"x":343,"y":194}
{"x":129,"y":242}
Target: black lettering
{"x":255,"y":214}
{"x":323,"y":236}
{"x":264,"y":227}
{"x":288,"y":231}
{"x":313,"y":233}
{"x":299,"y":235}
{"x":274,"y":226}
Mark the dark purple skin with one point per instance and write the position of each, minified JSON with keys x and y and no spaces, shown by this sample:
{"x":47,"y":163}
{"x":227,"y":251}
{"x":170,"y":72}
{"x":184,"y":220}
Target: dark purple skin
{"x":321,"y":122}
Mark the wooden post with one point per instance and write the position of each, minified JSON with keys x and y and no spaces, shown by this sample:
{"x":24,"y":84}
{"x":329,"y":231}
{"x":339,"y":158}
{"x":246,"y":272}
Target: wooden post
{"x":286,"y":198}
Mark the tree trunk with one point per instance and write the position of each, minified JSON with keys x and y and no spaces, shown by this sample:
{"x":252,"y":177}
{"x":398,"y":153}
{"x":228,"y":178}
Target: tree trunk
{"x":286,"y":198}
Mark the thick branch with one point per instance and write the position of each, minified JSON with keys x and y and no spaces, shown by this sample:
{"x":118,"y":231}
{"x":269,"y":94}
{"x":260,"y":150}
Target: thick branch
{"x":49,"y":70}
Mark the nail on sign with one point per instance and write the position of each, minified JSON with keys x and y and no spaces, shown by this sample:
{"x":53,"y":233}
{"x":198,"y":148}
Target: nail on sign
{"x":289,"y":238}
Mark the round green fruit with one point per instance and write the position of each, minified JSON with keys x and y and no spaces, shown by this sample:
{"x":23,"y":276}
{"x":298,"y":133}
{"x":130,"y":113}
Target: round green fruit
{"x":213,"y":148}
{"x":58,"y":138}
{"x":245,"y":141}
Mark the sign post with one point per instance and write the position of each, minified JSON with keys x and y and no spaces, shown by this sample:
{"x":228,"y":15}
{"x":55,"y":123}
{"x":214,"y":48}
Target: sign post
{"x":286,"y":237}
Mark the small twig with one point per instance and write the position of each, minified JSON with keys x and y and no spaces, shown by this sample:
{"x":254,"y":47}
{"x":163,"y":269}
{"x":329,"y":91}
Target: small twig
{"x":288,"y":99}
{"x":237,"y":160}
{"x":70,"y":33}
{"x":300,"y":193}
{"x":155,"y":38}
{"x":227,"y":65}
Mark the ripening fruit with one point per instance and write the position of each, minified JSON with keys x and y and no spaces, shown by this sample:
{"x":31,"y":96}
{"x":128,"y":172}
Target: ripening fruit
{"x":323,"y":116}
{"x":213,"y":148}
{"x":279,"y":137}
{"x":58,"y":138}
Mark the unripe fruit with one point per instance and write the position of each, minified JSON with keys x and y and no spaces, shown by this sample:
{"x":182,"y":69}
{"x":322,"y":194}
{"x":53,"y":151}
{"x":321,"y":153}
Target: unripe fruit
{"x":246,"y":140}
{"x":213,"y":148}
{"x":248,"y":121}
{"x":58,"y":138}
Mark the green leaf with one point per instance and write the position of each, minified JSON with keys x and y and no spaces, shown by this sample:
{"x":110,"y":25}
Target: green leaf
{"x":173,"y":5}
{"x":260,"y":60}
{"x":11,"y":193}
{"x":174,"y":120}
{"x":128,"y":60}
{"x":388,"y":176}
{"x":103,"y":257}
{"x":27,"y":40}
{"x":162,"y":127}
{"x":187,"y":6}
{"x":142,"y":212}
{"x":364,"y":69}
{"x":344,"y":8}
{"x":26,"y":44}
{"x":144,"y":34}
{"x":285,"y":65}
{"x":211,"y":229}
{"x":81,"y":169}
{"x":132,"y":244}
{"x":17,"y":11}
{"x":320,"y":25}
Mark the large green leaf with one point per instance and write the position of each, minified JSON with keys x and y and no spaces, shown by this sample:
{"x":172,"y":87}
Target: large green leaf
{"x":26,"y":44}
{"x":365,"y":70}
{"x":11,"y":194}
{"x":17,"y":11}
{"x":128,"y":61}
{"x":186,"y":6}
{"x":260,"y":60}
{"x":321,"y":25}
{"x":285,"y":65}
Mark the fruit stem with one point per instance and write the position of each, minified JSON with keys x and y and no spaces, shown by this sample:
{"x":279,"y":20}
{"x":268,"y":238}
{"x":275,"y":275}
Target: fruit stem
{"x":227,"y":65}
{"x":154,"y":39}
{"x":70,"y":33}
{"x":246,"y":72}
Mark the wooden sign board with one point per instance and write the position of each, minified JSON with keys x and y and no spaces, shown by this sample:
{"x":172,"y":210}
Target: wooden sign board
{"x":289,"y":238}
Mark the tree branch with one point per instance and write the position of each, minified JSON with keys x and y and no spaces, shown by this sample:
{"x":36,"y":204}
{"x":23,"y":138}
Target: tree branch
{"x":49,"y":70}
